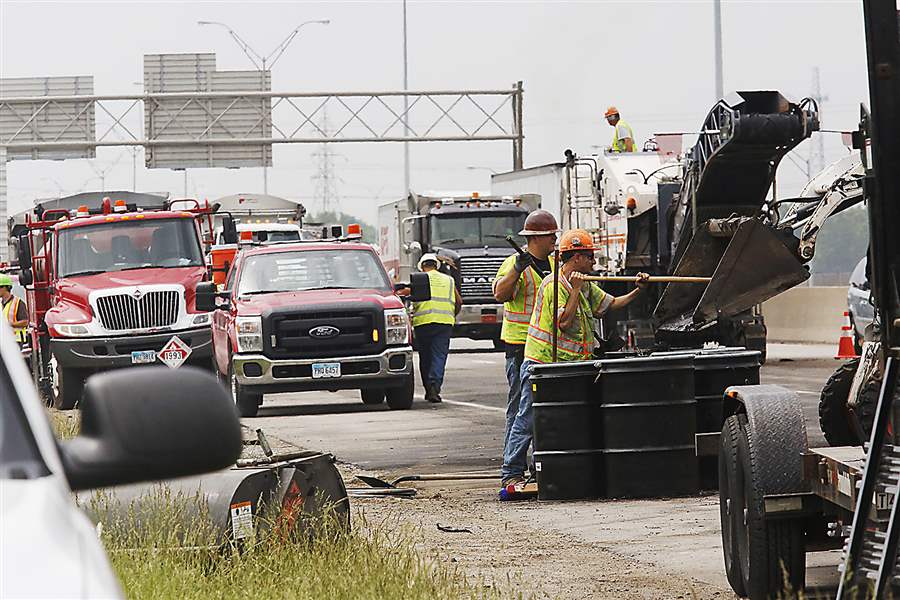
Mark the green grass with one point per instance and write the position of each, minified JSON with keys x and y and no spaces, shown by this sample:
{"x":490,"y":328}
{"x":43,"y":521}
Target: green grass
{"x":165,"y":547}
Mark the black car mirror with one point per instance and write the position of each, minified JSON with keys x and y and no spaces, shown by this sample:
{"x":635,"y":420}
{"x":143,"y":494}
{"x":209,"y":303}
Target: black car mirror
{"x":205,"y":295}
{"x":26,"y":277}
{"x":151,"y":423}
{"x":23,"y":251}
{"x":229,"y":230}
{"x":420,"y":287}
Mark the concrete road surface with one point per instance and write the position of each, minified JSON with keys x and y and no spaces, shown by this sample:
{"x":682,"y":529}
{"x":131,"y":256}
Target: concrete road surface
{"x":464,"y":433}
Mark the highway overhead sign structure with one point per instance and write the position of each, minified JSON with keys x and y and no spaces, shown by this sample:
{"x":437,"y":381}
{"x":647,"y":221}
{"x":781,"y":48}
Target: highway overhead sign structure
{"x":48,"y":109}
{"x":225,"y":116}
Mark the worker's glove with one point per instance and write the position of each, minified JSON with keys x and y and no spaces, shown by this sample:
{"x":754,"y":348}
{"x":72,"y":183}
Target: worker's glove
{"x":523,"y":261}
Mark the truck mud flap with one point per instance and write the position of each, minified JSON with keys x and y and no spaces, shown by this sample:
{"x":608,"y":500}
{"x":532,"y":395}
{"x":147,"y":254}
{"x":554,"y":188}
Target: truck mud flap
{"x":748,"y":261}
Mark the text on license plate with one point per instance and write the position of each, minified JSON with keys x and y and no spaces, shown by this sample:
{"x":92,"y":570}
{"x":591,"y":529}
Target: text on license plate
{"x":143,"y":357}
{"x":325,"y":370}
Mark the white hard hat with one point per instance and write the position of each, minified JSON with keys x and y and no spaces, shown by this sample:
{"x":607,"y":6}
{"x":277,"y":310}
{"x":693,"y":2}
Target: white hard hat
{"x":428,"y":256}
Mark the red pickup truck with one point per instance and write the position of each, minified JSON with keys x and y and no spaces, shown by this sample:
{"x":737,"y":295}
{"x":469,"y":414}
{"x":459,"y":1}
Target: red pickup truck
{"x":311,"y":316}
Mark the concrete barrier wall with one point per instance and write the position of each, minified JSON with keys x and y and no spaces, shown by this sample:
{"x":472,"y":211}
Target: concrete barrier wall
{"x":806,"y":314}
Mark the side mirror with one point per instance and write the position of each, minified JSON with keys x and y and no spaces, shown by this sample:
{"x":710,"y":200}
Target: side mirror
{"x":26,"y":277}
{"x":420,"y":287}
{"x":151,"y":423}
{"x":205,"y":296}
{"x":229,"y":230}
{"x":23,"y":251}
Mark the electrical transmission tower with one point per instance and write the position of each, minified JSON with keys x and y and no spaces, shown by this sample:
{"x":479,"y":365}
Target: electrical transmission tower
{"x":817,"y":148}
{"x":326,"y":179}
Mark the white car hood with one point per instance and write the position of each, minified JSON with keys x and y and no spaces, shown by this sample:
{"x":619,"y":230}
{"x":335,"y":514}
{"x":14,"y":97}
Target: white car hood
{"x":48,"y":547}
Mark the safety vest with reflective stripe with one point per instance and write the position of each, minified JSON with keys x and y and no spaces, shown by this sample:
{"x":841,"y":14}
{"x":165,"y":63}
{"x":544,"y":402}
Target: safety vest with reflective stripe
{"x":10,"y":309}
{"x":442,"y":306}
{"x":517,"y":311}
{"x":576,"y":342}
{"x":618,"y":144}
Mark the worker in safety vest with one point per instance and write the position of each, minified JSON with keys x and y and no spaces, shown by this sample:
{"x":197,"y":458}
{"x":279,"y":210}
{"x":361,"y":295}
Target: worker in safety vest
{"x":433,"y":322}
{"x":15,"y":312}
{"x":516,"y":285}
{"x":623,"y":136}
{"x":579,"y":302}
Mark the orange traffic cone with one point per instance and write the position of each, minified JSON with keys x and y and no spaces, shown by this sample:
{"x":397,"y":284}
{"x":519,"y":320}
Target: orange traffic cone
{"x":845,"y":346}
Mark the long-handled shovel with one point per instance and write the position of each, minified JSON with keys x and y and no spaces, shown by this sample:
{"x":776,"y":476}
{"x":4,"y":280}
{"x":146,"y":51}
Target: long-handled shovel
{"x":381,"y":483}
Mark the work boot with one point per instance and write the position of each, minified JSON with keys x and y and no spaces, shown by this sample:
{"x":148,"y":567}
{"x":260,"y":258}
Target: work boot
{"x":511,"y":480}
{"x":437,"y":391}
{"x":431,"y":393}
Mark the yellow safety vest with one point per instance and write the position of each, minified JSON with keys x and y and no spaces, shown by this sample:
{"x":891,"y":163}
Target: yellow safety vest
{"x":517,"y":311}
{"x":619,"y":145}
{"x":442,"y":306}
{"x":576,"y":342}
{"x":10,"y":309}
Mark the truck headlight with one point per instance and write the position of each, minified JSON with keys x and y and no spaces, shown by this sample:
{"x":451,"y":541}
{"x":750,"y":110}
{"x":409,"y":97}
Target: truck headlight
{"x":249,"y":334}
{"x":202,"y":319}
{"x":396,"y":326}
{"x":71,"y":330}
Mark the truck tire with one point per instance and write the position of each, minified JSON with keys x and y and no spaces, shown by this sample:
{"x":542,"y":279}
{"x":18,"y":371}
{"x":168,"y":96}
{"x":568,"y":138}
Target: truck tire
{"x":730,"y":499}
{"x":401,"y":398}
{"x":372,"y":395}
{"x":247,"y":404}
{"x":834,"y":418}
{"x":772,"y":552}
{"x":67,"y":386}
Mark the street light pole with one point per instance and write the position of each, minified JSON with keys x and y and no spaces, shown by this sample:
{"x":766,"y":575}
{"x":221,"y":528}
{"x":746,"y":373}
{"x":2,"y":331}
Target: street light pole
{"x":260,"y":62}
{"x":405,"y":108}
{"x":717,"y":24}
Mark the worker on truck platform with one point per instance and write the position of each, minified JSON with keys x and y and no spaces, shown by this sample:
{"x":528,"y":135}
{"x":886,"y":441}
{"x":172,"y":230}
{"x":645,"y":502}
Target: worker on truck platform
{"x":623,"y":136}
{"x":516,"y":285}
{"x":15,"y":311}
{"x":433,"y":322}
{"x":579,"y":302}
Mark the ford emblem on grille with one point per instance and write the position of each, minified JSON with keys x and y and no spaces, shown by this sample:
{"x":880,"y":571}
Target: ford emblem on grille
{"x":324,"y":332}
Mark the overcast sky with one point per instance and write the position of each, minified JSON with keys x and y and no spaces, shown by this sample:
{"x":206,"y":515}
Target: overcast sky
{"x":653,"y":60}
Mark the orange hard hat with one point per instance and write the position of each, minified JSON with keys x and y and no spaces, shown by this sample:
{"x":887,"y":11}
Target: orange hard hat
{"x":576,"y":239}
{"x":612,"y":110}
{"x":540,"y":222}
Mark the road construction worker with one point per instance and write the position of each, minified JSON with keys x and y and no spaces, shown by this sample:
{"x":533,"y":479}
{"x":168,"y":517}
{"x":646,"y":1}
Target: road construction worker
{"x":15,"y":312}
{"x":516,"y":285}
{"x":623,"y":136}
{"x":579,"y":302}
{"x":433,"y":322}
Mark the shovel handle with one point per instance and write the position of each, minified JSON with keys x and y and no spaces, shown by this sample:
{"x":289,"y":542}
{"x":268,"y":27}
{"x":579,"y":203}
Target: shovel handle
{"x":652,"y":279}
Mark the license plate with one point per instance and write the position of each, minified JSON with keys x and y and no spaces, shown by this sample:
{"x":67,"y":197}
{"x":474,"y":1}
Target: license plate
{"x":143,"y":357}
{"x":326,"y":370}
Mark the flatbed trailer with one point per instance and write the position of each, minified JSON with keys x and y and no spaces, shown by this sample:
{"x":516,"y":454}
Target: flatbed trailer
{"x":778,"y":498}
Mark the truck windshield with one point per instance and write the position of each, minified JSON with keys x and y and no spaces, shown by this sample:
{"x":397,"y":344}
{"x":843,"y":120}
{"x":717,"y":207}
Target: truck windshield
{"x":312,"y":270}
{"x":283,"y":235}
{"x":123,"y":245}
{"x":467,"y":231}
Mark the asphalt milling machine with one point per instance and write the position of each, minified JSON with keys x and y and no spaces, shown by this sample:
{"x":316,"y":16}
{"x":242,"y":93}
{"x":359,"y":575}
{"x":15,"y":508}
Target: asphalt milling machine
{"x":779,"y":499}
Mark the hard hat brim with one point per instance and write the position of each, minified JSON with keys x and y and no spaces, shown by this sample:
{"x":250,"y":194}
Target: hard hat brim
{"x":527,"y":232}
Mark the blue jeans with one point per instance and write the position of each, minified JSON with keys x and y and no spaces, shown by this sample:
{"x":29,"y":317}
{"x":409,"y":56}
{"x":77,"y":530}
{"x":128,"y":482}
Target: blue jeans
{"x":433,"y":343}
{"x":515,"y":454}
{"x":515,"y":354}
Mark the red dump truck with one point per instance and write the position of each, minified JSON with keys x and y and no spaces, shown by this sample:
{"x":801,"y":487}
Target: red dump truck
{"x":113,"y":286}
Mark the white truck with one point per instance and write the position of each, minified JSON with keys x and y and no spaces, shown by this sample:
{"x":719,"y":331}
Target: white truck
{"x":469,"y":231}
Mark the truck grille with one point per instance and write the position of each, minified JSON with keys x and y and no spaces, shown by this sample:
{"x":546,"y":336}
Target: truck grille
{"x":476,"y":275}
{"x":287,"y":334}
{"x":124,"y":312}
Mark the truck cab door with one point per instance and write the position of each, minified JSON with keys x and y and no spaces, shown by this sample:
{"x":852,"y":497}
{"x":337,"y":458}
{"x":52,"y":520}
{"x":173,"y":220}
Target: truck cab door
{"x":223,"y":325}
